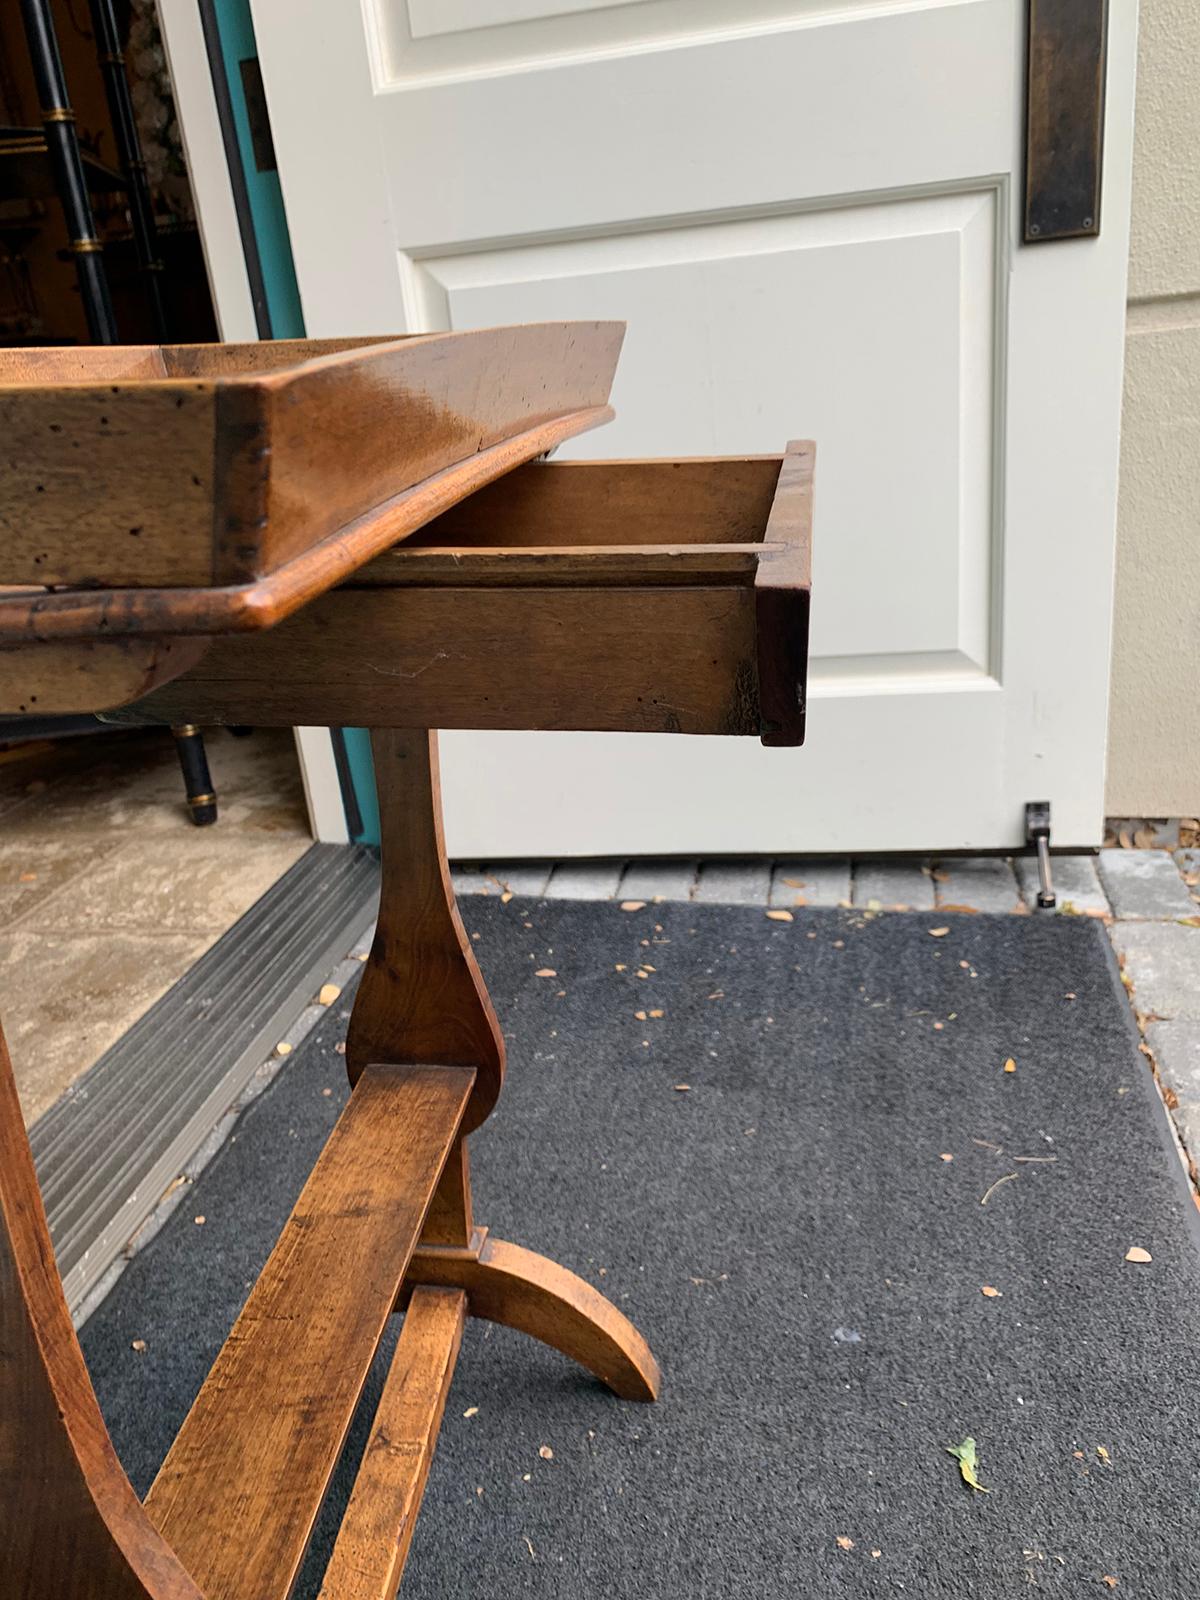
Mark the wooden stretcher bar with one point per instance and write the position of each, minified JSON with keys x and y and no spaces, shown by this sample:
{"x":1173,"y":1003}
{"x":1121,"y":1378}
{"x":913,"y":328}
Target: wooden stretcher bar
{"x":239,"y":1491}
{"x":372,"y":1543}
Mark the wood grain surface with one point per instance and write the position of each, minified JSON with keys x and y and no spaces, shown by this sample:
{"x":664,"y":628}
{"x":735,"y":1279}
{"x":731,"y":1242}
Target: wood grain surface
{"x":89,"y":674}
{"x":154,"y":468}
{"x":239,"y":1490}
{"x":107,"y":483}
{"x":71,"y":1527}
{"x":450,"y":1219}
{"x":506,"y":1283}
{"x":698,"y":500}
{"x":669,"y":659}
{"x":347,"y":431}
{"x":372,"y":1544}
{"x":559,"y":566}
{"x":32,"y":613}
{"x":422,"y":997}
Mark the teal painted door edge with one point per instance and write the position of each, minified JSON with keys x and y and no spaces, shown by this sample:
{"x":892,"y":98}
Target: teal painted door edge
{"x":362,"y":778}
{"x":234,"y":28}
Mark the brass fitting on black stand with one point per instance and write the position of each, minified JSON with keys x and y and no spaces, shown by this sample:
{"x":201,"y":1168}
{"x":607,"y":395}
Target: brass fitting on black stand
{"x":201,"y":798}
{"x":62,"y":143}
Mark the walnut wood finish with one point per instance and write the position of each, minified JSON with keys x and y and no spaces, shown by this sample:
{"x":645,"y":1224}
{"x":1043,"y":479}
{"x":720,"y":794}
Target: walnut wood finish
{"x":33,"y":614}
{"x":450,"y":1219}
{"x":165,"y":468}
{"x":109,"y":363}
{"x":725,"y":603}
{"x":71,"y":1527}
{"x":240,"y":1489}
{"x":372,"y":1544}
{"x":89,"y":674}
{"x":724,"y":597}
{"x":421,"y":998}
{"x":562,"y":566}
{"x":655,"y":660}
{"x":83,"y":363}
{"x":505,"y":1283}
{"x":699,"y":500}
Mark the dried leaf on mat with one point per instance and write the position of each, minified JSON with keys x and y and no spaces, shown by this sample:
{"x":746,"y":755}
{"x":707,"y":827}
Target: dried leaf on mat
{"x":968,"y":1462}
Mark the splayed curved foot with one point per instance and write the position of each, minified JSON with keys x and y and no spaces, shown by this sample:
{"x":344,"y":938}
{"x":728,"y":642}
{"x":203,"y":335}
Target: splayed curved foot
{"x":505,"y":1283}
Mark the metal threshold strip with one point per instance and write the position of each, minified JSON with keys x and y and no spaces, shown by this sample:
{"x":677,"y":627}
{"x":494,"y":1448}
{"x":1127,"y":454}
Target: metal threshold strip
{"x":110,"y":1147}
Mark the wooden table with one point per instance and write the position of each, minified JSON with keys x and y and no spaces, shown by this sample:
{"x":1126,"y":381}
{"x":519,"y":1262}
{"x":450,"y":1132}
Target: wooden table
{"x":353,"y":532}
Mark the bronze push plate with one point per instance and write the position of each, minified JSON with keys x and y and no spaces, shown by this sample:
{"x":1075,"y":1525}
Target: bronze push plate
{"x":1064,"y":118}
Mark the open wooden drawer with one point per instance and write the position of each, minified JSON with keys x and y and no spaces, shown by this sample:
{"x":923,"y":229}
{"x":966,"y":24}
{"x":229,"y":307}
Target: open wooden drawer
{"x":652,"y":596}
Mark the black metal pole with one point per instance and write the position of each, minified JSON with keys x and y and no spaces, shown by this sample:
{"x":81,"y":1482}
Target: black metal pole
{"x":129,"y":153}
{"x":62,"y":142}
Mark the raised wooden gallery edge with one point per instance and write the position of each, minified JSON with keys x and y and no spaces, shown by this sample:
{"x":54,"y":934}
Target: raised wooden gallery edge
{"x":212,"y":465}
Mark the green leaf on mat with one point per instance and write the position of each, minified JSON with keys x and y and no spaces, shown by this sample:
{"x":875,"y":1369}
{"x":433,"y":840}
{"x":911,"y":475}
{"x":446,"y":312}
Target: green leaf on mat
{"x":968,"y":1462}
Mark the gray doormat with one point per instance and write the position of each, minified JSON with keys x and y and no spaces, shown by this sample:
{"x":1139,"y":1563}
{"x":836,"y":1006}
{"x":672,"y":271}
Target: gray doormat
{"x":806,"y":1261}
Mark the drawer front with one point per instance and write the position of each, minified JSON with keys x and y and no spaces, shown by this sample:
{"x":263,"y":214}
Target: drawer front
{"x":653,"y":660}
{"x":696,"y":623}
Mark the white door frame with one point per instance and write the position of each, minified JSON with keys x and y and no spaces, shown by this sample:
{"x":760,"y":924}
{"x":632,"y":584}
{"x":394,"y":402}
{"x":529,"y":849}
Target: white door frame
{"x":208,"y":172}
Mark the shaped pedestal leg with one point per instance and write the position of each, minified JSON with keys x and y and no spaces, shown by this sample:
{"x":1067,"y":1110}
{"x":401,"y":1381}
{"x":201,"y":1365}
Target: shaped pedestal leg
{"x":423,"y":1000}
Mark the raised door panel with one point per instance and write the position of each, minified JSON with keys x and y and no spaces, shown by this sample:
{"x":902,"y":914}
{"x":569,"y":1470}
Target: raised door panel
{"x":872,"y":328}
{"x":517,"y":145}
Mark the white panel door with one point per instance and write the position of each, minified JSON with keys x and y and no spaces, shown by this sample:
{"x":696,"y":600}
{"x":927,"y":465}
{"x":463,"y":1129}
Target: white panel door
{"x":808,"y":216}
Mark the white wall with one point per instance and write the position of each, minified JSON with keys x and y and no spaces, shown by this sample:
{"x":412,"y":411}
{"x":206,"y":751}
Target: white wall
{"x":1154,"y":723}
